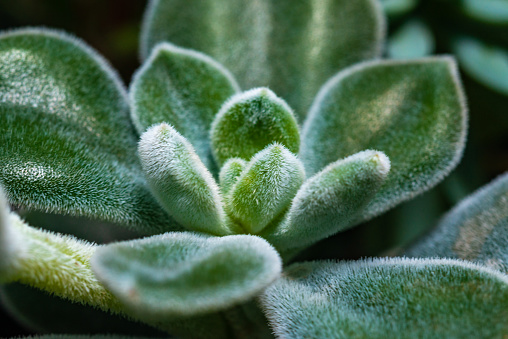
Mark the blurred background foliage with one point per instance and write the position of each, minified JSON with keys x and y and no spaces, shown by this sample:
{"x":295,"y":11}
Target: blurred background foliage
{"x":475,"y":31}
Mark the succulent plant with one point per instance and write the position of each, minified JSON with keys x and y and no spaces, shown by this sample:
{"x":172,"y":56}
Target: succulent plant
{"x":226,"y":165}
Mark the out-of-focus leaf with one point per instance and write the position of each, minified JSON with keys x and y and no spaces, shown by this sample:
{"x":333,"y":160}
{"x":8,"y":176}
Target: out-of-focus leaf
{"x":249,"y":122}
{"x":329,"y":201}
{"x":181,"y":182}
{"x":182,"y":274}
{"x":489,"y":11}
{"x":66,"y":143}
{"x":265,"y":188}
{"x":487,"y":64}
{"x":476,"y":229}
{"x":413,"y":40}
{"x":396,"y":8}
{"x":388,"y":298}
{"x":413,"y":111}
{"x":290,"y":46}
{"x":183,"y":88}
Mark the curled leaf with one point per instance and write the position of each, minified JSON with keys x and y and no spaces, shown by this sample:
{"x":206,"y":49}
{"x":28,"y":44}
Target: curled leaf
{"x":184,"y":274}
{"x":249,"y":122}
{"x":265,"y":188}
{"x":413,"y":111}
{"x":183,"y":88}
{"x":180,"y":181}
{"x":385,"y":298}
{"x":330,"y":201}
{"x":476,"y":229}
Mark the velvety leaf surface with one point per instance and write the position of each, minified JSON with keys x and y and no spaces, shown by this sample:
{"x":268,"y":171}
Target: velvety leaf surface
{"x":475,"y":230}
{"x":413,"y":40}
{"x":183,"y":88}
{"x":413,"y":111}
{"x":180,"y":181}
{"x":265,"y":188}
{"x":291,"y":47}
{"x":66,"y":143}
{"x":485,"y":63}
{"x":329,"y":201}
{"x":395,"y":8}
{"x":388,"y":298}
{"x":490,"y":11}
{"x":249,"y":122}
{"x":177,"y":274}
{"x":230,"y":172}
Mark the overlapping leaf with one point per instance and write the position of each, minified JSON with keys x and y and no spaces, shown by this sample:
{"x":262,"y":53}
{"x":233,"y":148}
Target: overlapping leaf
{"x":413,"y":111}
{"x":388,"y":298}
{"x":291,"y":47}
{"x":183,"y":88}
{"x":66,"y":143}
{"x":183,"y":274}
{"x":475,"y":230}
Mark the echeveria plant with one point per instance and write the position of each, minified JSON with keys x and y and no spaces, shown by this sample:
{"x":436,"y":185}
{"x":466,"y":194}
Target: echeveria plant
{"x":230,"y":179}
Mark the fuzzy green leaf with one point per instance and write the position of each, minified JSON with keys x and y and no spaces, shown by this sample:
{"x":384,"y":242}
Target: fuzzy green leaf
{"x":180,"y":181}
{"x":485,"y":63}
{"x":388,"y":298}
{"x":329,"y":202}
{"x":395,"y":8}
{"x":250,"y":121}
{"x":475,"y":230}
{"x":490,"y":11}
{"x":66,"y":143}
{"x":183,"y":88}
{"x":291,"y":47}
{"x":413,"y":40}
{"x":178,"y":274}
{"x":229,"y":174}
{"x":265,"y":188}
{"x":413,"y":111}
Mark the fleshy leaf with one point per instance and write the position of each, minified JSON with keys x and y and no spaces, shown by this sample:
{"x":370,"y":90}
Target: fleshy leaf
{"x":265,"y":188}
{"x":329,"y":201}
{"x":180,"y":181}
{"x":413,"y":111}
{"x":388,"y":298}
{"x":250,"y":121}
{"x":475,"y":230}
{"x":490,"y":11}
{"x":230,"y":172}
{"x":291,"y":47}
{"x":183,"y":88}
{"x":413,"y":40}
{"x":487,"y":64}
{"x":66,"y":143}
{"x":395,"y":8}
{"x":177,"y":274}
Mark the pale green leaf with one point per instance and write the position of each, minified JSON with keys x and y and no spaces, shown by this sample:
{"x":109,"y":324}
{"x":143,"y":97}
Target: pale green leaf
{"x":229,"y":173}
{"x":183,"y":88}
{"x":485,"y":63}
{"x":413,"y":40}
{"x":291,"y":47}
{"x":82,"y":336}
{"x":395,"y":8}
{"x":476,"y":229}
{"x":176,"y":274}
{"x":180,"y":181}
{"x":265,"y":188}
{"x":329,"y":201}
{"x":66,"y":143}
{"x":490,"y":11}
{"x":250,"y":121}
{"x":388,"y":298}
{"x":413,"y":111}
